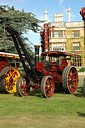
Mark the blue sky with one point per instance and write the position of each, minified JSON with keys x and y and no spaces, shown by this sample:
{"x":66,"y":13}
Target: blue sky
{"x":52,"y":6}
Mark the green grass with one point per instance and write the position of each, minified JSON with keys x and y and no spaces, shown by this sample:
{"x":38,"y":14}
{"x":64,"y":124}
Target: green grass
{"x":33,"y":111}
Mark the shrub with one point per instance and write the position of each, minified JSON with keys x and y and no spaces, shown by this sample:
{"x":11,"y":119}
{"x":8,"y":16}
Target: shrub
{"x":82,"y":69}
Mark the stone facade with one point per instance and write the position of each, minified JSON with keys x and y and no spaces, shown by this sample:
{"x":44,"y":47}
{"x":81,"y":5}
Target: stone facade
{"x":65,"y":36}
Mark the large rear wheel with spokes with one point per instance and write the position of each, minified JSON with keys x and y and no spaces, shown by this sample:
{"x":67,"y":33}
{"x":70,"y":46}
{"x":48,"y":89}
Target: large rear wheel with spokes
{"x":9,"y":76}
{"x":70,"y":79}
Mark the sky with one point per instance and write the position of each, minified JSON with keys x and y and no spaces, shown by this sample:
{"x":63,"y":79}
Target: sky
{"x":37,"y":7}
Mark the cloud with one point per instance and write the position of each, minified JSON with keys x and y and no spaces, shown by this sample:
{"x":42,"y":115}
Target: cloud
{"x":60,"y":2}
{"x":35,"y":9}
{"x":65,"y":11}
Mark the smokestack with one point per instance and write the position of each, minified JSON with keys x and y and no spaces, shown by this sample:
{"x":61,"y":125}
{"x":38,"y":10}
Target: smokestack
{"x":36,"y":53}
{"x":69,"y":14}
{"x":45,"y":14}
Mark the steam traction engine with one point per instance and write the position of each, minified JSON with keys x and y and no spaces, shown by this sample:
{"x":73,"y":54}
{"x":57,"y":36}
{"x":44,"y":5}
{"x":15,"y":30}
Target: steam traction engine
{"x":82,"y":12}
{"x":8,"y":74}
{"x":47,"y":75}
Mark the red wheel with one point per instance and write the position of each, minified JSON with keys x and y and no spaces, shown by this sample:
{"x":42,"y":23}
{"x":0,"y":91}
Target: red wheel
{"x":21,"y":87}
{"x":47,"y":86}
{"x":70,"y":79}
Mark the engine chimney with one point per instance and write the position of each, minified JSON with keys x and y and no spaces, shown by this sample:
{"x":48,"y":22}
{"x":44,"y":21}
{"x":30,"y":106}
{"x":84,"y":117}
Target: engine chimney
{"x":36,"y":53}
{"x":69,"y":14}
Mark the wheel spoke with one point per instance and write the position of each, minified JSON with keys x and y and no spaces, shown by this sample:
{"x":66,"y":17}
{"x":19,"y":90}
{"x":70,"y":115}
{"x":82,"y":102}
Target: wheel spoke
{"x":46,"y":88}
{"x":14,"y":72}
{"x":74,"y":73}
{"x":9,"y":72}
{"x":48,"y":82}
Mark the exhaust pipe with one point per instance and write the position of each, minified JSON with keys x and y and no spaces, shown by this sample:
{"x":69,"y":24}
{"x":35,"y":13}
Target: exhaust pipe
{"x":36,"y":53}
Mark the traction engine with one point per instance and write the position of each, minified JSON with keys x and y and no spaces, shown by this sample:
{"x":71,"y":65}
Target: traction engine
{"x":49,"y":74}
{"x":8,"y":74}
{"x":82,"y":12}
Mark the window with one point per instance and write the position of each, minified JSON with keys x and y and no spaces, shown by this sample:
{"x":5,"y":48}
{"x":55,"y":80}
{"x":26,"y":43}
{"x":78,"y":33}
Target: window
{"x":76,"y":34}
{"x":53,"y":34}
{"x":77,"y":61}
{"x":76,"y":46}
{"x":58,"y":47}
{"x":57,"y":34}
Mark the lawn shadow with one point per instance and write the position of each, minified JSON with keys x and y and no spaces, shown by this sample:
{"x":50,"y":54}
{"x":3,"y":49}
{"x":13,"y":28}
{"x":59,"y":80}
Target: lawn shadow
{"x":79,"y":92}
{"x":36,"y":93}
{"x":59,"y":90}
{"x":16,"y":94}
{"x":1,"y":93}
{"x":81,"y":114}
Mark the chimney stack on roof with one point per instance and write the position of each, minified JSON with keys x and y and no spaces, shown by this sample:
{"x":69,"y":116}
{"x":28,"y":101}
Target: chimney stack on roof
{"x":45,"y":14}
{"x":69,"y":14}
{"x":58,"y":17}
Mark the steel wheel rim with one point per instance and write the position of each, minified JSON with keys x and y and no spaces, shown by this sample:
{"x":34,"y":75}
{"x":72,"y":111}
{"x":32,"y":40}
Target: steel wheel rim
{"x":11,"y":77}
{"x":23,"y":87}
{"x":49,"y":87}
{"x":72,"y":81}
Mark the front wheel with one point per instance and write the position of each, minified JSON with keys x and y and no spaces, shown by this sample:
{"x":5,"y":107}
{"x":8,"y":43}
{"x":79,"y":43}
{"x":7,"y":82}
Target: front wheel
{"x":22,"y":87}
{"x":47,"y":86}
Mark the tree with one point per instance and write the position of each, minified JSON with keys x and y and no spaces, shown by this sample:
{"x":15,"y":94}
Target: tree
{"x":20,"y":20}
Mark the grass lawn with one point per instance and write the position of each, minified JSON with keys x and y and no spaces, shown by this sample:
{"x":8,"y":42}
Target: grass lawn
{"x":60,"y":111}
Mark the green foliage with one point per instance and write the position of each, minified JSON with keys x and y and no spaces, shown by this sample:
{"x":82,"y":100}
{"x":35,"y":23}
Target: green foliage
{"x":21,"y":21}
{"x":82,"y":69}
